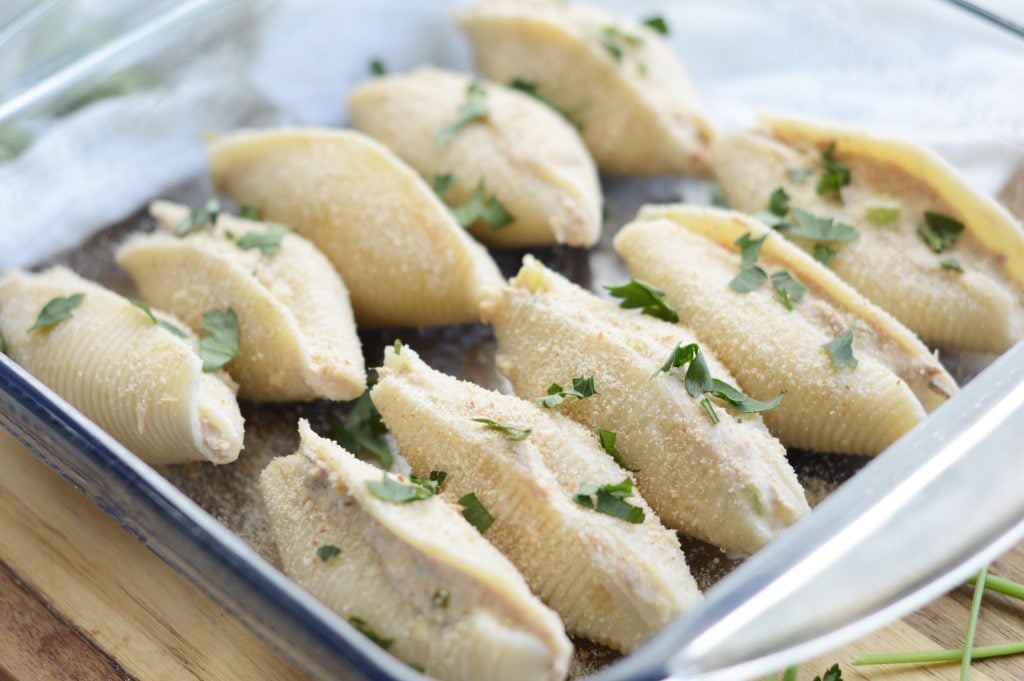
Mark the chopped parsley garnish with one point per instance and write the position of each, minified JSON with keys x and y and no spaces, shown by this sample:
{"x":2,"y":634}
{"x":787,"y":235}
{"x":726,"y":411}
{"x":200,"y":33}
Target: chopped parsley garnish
{"x":882,"y":216}
{"x":480,"y":207}
{"x":952,"y":264}
{"x":650,"y":300}
{"x":249,"y":212}
{"x":153,"y":318}
{"x":833,"y":673}
{"x":327,"y":551}
{"x":749,"y":279}
{"x":267,"y":241}
{"x":840,"y":350}
{"x":473,"y":109}
{"x":798,"y":175}
{"x":617,"y":42}
{"x":377,"y":68}
{"x":221,"y":346}
{"x":440,"y":599}
{"x":198,"y":218}
{"x":940,"y":231}
{"x":475,"y":513}
{"x":698,"y":382}
{"x":607,"y":438}
{"x":778,"y":206}
{"x":709,"y":409}
{"x":750,"y":248}
{"x":57,"y":311}
{"x":363,"y":432}
{"x":657,"y":24}
{"x":532,"y":88}
{"x":389,"y":489}
{"x":369,"y":633}
{"x":611,"y":500}
{"x":825,"y":254}
{"x":787,"y":289}
{"x":442,"y":183}
{"x":582,"y":387}
{"x":513,"y":433}
{"x":836,"y":175}
{"x":816,"y":228}
{"x":439,"y":477}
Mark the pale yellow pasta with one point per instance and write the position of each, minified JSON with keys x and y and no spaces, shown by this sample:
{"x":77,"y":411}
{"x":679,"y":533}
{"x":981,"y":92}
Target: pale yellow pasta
{"x":135,"y":379}
{"x":521,"y":152}
{"x":727,"y":483}
{"x":612,"y":581}
{"x":619,"y":80}
{"x":402,"y":256}
{"x":415,"y":574}
{"x":297,"y":336}
{"x":892,"y":184}
{"x":689,"y":253}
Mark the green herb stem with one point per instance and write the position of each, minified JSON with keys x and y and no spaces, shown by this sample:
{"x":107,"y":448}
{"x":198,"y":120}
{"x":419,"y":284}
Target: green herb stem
{"x":1001,"y":585}
{"x":972,"y":625}
{"x":790,"y":674}
{"x":945,"y":655}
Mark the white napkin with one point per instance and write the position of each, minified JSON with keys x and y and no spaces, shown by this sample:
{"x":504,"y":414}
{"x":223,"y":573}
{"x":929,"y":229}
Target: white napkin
{"x":919,"y":69}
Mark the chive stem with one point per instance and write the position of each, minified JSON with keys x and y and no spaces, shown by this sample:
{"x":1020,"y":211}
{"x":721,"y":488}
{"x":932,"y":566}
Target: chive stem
{"x":1002,"y":585}
{"x":790,"y":674}
{"x":947,"y":655}
{"x":972,"y":624}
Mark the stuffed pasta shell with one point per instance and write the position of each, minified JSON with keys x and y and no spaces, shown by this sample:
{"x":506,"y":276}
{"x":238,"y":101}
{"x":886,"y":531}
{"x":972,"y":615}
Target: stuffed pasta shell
{"x":619,"y":81}
{"x":132,"y":370}
{"x":892,"y":219}
{"x":297,"y":336}
{"x":407,"y":571}
{"x":773,"y":316}
{"x":712,"y":474}
{"x":405,"y":260}
{"x":615,"y":575}
{"x":516,"y":173}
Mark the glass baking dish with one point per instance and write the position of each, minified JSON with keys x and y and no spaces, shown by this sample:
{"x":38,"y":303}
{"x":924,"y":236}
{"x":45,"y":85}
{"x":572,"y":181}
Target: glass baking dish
{"x":105,"y":107}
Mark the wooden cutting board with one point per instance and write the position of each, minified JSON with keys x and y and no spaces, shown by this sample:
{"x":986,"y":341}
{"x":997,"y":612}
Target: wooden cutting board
{"x":81,"y":599}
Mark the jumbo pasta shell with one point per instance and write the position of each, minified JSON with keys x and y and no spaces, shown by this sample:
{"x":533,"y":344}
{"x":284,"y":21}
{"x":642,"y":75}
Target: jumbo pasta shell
{"x":980,"y":309}
{"x":138,"y":381}
{"x":394,"y":243}
{"x":689,"y":253}
{"x":727,"y":483}
{"x":522,"y":152}
{"x":621,"y":81}
{"x":297,"y":336}
{"x":416,"y":574}
{"x":612,"y":581}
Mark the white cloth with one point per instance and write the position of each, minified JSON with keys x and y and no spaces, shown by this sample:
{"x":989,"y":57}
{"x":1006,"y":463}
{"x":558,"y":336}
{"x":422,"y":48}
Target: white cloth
{"x":917,"y":68}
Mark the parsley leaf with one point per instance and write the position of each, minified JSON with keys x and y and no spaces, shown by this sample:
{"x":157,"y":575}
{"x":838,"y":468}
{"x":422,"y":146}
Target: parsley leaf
{"x":439,"y":477}
{"x":815,"y":228}
{"x":750,"y":248}
{"x":650,"y":300}
{"x":479,"y":207}
{"x":57,"y":311}
{"x":198,"y":218}
{"x":377,"y":68}
{"x":474,"y":108}
{"x":363,"y":432}
{"x":607,"y":438}
{"x":840,"y":350}
{"x":249,"y":212}
{"x":952,"y":264}
{"x":221,"y":346}
{"x":512,"y":433}
{"x":159,"y":322}
{"x":582,"y":387}
{"x":327,"y":551}
{"x":742,"y":403}
{"x":798,"y":175}
{"x":657,"y":24}
{"x":882,"y":216}
{"x":475,"y":513}
{"x":389,"y":489}
{"x":778,"y":202}
{"x":824,"y":254}
{"x":833,"y":673}
{"x":442,"y":183}
{"x":787,"y":289}
{"x":709,"y":409}
{"x":610,"y":500}
{"x":532,"y":88}
{"x":617,"y":42}
{"x":836,"y":175}
{"x":941,"y":232}
{"x":369,"y":633}
{"x":749,"y":279}
{"x":268,"y":241}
